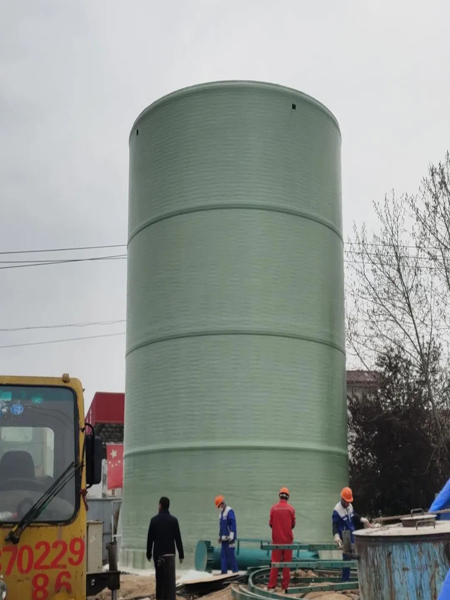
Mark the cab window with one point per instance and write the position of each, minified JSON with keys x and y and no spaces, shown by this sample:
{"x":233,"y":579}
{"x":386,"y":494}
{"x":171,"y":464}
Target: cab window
{"x":38,"y":441}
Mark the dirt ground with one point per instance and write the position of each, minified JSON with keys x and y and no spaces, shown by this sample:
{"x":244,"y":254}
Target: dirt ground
{"x":138,"y":586}
{"x":222,"y":595}
{"x":132,"y":586}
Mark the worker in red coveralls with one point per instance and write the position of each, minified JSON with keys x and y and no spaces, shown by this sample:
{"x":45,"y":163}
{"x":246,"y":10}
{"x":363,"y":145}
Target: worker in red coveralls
{"x":282,"y":522}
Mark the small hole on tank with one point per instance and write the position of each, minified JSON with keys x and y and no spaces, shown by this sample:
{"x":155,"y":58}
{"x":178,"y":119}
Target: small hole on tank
{"x":294,"y":107}
{"x":137,"y":131}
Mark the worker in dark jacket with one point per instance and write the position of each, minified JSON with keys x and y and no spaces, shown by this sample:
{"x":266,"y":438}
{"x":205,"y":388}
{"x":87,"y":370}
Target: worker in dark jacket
{"x":163,"y":535}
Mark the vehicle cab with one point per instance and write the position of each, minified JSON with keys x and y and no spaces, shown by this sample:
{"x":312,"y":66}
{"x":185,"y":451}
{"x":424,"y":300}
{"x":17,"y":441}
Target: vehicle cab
{"x":47,"y":460}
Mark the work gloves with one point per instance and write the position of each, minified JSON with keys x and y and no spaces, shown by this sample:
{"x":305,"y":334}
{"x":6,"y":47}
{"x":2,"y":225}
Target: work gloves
{"x":365,"y":522}
{"x":338,"y":541}
{"x":227,"y":538}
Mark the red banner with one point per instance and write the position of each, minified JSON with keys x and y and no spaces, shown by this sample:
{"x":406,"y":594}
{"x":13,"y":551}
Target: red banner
{"x":114,"y":457}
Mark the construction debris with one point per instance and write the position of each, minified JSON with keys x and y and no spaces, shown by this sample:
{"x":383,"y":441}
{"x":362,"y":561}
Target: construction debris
{"x":215,"y":587}
{"x":300,"y":574}
{"x":142,"y":587}
{"x":207,"y":585}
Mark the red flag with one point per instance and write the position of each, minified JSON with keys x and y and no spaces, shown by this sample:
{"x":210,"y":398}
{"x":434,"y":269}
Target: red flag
{"x":114,"y":457}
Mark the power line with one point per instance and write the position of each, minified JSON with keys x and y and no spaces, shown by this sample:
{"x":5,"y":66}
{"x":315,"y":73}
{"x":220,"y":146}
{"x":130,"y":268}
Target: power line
{"x":87,"y":324}
{"x":23,"y":264}
{"x":350,"y":253}
{"x":347,"y":260}
{"x":20,"y":264}
{"x":58,"y":260}
{"x":386,"y":264}
{"x":76,"y":339}
{"x":106,"y":246}
{"x":387,"y":245}
{"x":63,"y":261}
{"x":72,"y":249}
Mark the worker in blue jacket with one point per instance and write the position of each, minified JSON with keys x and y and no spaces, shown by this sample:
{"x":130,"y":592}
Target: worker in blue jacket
{"x":227,"y":536}
{"x":344,"y":518}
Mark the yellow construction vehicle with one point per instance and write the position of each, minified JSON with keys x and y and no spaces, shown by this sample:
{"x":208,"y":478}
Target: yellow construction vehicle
{"x":49,"y":457}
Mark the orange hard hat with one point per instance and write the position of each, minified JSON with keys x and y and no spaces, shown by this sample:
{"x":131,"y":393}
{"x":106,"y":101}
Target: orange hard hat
{"x":284,"y":490}
{"x":347,"y":494}
{"x":218,"y":501}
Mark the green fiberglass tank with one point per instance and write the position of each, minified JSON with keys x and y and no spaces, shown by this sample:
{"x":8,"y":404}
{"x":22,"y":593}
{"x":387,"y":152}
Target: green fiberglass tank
{"x":235,"y":330}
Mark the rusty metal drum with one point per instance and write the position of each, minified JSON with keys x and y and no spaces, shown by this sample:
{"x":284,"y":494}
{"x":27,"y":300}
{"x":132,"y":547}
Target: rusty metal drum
{"x":408,"y":561}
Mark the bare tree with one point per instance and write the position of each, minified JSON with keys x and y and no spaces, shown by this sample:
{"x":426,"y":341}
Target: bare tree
{"x":431,"y":209}
{"x":392,"y":300}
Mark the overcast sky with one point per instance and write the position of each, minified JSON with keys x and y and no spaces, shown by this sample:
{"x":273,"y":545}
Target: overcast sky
{"x":74,"y":74}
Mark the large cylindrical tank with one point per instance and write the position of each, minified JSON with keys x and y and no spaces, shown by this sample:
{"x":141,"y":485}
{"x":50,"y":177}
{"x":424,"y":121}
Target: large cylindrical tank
{"x":235,"y":369}
{"x":403,"y":563}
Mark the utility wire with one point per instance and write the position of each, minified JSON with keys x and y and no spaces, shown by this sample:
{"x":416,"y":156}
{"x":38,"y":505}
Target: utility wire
{"x":105,"y":246}
{"x":393,"y":265}
{"x":73,"y":249}
{"x":11,"y":264}
{"x":386,"y":245}
{"x":64,"y":261}
{"x":58,"y":260}
{"x":76,"y":339}
{"x":35,"y":327}
{"x":347,"y":260}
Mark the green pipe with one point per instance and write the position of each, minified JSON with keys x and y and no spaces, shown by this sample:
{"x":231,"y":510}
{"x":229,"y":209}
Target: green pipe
{"x":316,"y":564}
{"x":298,"y":546}
{"x":207,"y":556}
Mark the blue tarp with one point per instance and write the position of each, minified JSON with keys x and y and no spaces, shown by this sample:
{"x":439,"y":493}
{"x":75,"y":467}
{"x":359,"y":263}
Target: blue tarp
{"x":445,"y":590}
{"x":442,"y":502}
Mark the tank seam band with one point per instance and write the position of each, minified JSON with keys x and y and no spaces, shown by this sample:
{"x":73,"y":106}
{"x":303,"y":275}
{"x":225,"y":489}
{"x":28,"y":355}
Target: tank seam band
{"x":190,"y":334}
{"x":257,"y":445}
{"x":262,"y":207}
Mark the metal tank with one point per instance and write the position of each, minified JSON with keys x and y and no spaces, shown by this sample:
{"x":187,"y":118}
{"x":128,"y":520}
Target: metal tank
{"x":235,"y":368}
{"x":404,"y":562}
